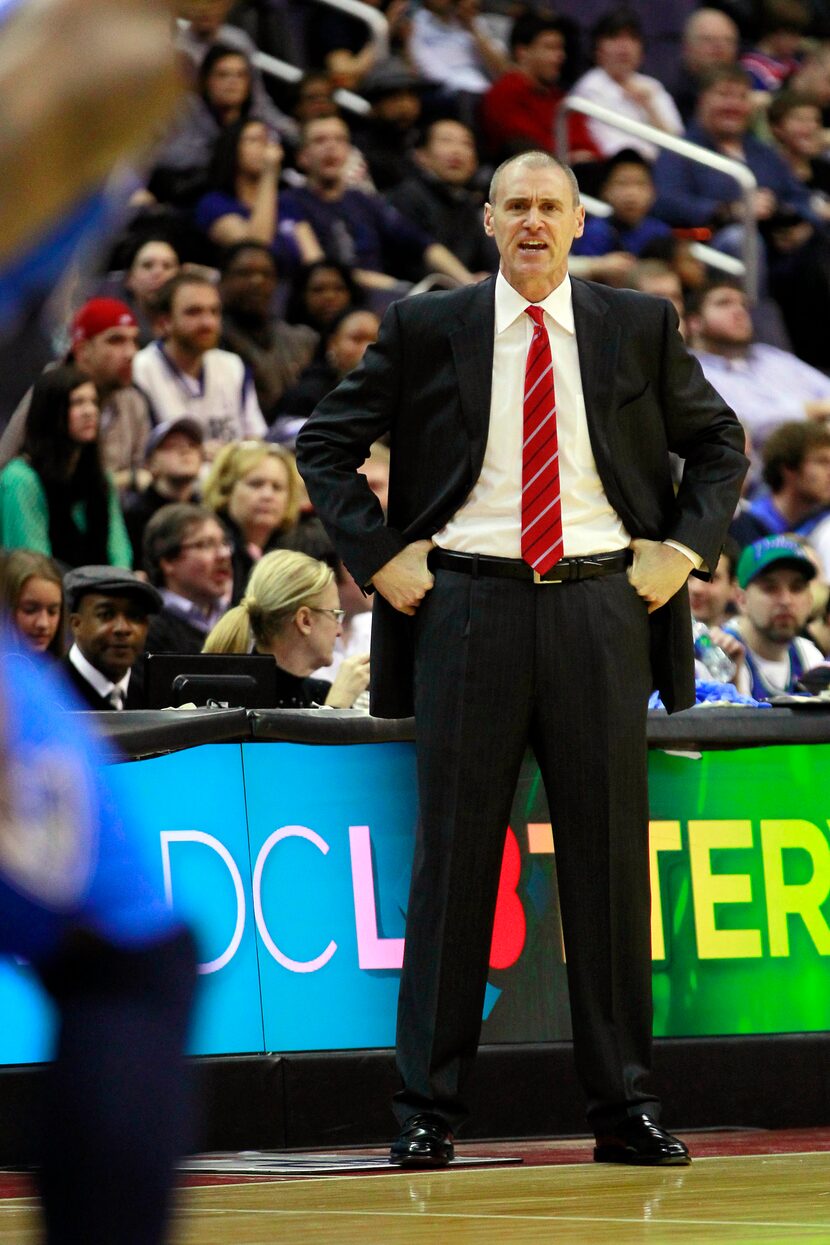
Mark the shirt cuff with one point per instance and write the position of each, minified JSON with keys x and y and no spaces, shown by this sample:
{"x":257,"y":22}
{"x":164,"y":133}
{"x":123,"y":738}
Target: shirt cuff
{"x":695,"y":558}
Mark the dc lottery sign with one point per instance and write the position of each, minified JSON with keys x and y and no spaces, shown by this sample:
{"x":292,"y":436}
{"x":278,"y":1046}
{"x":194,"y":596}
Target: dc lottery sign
{"x":292,"y":863}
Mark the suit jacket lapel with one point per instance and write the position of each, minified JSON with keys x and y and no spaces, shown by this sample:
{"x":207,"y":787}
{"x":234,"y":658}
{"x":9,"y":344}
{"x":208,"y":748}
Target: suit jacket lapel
{"x":472,"y":348}
{"x":598,"y":341}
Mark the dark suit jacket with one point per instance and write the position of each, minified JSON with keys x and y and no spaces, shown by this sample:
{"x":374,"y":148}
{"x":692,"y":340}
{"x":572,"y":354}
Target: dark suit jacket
{"x":428,"y":383}
{"x":168,"y":633}
{"x":87,"y":693}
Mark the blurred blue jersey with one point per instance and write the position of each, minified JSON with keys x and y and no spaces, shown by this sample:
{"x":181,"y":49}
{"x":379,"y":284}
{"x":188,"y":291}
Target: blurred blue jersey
{"x":70,"y":858}
{"x":30,"y":275}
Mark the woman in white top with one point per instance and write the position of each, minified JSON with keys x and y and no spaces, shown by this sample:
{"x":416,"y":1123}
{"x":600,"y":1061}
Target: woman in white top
{"x":616,"y":83}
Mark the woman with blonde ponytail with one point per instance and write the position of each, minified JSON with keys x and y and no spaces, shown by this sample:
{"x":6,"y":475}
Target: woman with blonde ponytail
{"x":291,"y":609}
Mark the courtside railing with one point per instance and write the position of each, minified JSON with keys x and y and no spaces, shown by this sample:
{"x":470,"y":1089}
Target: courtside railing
{"x":379,"y":36}
{"x":706,"y":254}
{"x":690,"y":151}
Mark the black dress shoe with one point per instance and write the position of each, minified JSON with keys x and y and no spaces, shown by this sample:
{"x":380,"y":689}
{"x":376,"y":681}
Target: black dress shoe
{"x":641,"y":1143}
{"x":425,"y":1141}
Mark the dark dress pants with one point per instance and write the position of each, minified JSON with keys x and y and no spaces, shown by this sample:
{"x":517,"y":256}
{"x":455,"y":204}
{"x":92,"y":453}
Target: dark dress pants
{"x":501,"y":664}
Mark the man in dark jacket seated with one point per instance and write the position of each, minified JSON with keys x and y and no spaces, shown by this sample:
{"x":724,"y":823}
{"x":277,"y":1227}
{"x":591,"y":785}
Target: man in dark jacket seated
{"x":440,"y":194}
{"x":187,"y":555}
{"x":174,"y":459}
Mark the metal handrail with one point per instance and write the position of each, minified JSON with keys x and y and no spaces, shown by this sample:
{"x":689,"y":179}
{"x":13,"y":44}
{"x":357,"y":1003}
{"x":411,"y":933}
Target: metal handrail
{"x":286,"y":72}
{"x":373,"y":18}
{"x":379,"y":30}
{"x":699,"y":250}
{"x":682,"y":147}
{"x":274,"y":67}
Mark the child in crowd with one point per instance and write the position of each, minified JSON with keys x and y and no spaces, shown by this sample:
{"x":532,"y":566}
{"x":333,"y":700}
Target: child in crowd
{"x":627,"y":187}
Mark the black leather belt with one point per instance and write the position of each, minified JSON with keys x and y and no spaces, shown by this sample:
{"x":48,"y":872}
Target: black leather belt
{"x":565,"y":570}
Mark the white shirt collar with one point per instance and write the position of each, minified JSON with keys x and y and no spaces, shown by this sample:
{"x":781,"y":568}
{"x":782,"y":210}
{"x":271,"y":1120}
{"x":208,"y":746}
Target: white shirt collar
{"x":510,"y":304}
{"x":102,"y":685}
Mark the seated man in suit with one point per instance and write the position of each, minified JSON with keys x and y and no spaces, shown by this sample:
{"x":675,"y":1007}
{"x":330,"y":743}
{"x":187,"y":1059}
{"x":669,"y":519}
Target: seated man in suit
{"x":109,"y":610}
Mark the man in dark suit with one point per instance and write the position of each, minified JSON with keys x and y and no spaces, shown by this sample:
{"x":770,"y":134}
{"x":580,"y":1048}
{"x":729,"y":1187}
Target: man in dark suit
{"x":108,"y":609}
{"x":504,"y":642}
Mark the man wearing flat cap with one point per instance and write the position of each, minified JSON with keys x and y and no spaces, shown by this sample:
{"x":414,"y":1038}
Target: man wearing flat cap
{"x":109,"y":611}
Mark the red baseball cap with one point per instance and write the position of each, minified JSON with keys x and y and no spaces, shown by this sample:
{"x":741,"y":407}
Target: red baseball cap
{"x":98,"y":315}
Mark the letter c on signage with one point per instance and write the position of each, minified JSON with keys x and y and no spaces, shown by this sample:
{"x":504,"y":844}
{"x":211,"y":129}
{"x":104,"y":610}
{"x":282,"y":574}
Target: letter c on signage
{"x":293,"y":966}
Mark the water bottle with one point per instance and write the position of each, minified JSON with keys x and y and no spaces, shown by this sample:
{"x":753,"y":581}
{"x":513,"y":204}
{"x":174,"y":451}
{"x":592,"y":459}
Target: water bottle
{"x":720,"y":666}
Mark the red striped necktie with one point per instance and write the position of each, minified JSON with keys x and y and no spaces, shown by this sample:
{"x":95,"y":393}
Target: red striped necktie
{"x":541,"y":496}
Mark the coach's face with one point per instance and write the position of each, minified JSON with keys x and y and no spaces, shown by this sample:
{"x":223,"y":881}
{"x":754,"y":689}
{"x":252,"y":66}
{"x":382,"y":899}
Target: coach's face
{"x":534,"y":221}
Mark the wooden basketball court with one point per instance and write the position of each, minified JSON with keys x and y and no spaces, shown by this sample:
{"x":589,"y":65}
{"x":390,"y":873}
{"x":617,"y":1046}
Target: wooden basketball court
{"x":744,"y":1189}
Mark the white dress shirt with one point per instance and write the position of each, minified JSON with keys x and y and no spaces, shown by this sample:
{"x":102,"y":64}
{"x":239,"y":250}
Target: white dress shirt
{"x":102,"y":685}
{"x":489,"y":522}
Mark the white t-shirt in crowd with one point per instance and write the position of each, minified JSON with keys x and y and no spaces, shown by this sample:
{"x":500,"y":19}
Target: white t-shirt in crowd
{"x":599,"y":86}
{"x":222,"y":398}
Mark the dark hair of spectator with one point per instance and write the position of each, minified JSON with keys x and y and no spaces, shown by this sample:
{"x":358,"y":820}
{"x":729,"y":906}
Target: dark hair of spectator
{"x":426,"y":132}
{"x":165,"y":295}
{"x":731,"y":551}
{"x":126,"y":249}
{"x":47,"y":444}
{"x":627,"y":156}
{"x":339,"y":320}
{"x":788,"y":446}
{"x":617,"y":21}
{"x":309,"y":78}
{"x":21,"y":565}
{"x":785,"y":102}
{"x":137,"y":242}
{"x":68,"y":472}
{"x":224,"y":161}
{"x":778,"y":16}
{"x":167,"y":531}
{"x":696,"y":298}
{"x":722,"y":73}
{"x":215,"y":54}
{"x":296,"y":308}
{"x":231,"y":253}
{"x":528,"y":26}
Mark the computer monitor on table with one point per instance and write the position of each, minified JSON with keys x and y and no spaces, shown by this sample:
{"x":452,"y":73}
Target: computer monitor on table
{"x":232,"y":680}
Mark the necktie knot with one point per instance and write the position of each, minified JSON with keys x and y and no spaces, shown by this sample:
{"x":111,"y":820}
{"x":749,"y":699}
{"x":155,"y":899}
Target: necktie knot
{"x":116,"y":698}
{"x":537,"y":315}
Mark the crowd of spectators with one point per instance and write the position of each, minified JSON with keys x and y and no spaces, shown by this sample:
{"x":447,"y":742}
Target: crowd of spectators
{"x":274,"y":225}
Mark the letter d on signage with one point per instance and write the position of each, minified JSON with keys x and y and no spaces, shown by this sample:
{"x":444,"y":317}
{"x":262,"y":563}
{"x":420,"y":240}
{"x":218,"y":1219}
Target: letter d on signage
{"x":207,"y":840}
